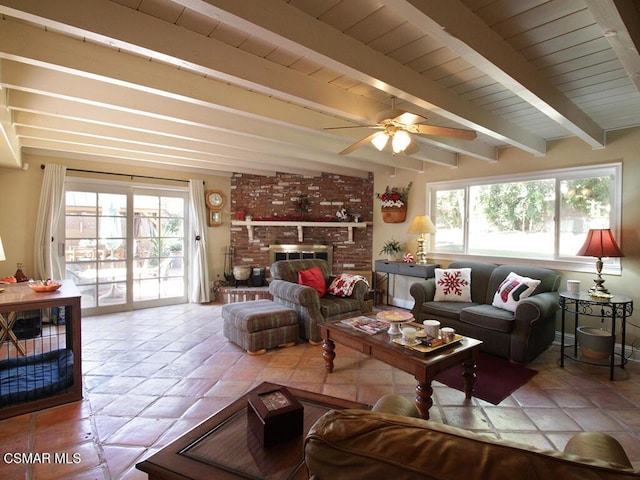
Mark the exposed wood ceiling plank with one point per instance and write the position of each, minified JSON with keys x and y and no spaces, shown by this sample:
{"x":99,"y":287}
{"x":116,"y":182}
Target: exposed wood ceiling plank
{"x":493,"y":13}
{"x":544,"y":53}
{"x":603,"y":60}
{"x":466,"y":34}
{"x":558,"y":34}
{"x":93,"y":61}
{"x":110,"y":153}
{"x":109,"y":65}
{"x":124,"y":100}
{"x":87,"y":134}
{"x":436,"y":155}
{"x":200,"y":82}
{"x":40,"y":150}
{"x":48,"y":112}
{"x":119,"y":27}
{"x":106,"y":151}
{"x":202,"y":145}
{"x":620,"y":22}
{"x":60,"y":108}
{"x":488,"y":153}
{"x":280,"y":23}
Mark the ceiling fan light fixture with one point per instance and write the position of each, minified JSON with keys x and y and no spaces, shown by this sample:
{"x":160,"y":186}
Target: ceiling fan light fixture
{"x":400,"y":141}
{"x":379,"y":140}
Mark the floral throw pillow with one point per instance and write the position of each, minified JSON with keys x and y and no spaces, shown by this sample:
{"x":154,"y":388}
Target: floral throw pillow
{"x":343,"y":284}
{"x":453,"y":285}
{"x":513,"y":290}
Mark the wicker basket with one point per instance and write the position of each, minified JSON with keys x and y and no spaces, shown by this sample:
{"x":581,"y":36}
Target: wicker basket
{"x":394,"y":214}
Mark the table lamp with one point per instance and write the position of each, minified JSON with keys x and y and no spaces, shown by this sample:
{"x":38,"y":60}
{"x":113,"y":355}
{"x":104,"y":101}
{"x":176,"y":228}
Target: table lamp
{"x":599,"y":243}
{"x":421,"y":225}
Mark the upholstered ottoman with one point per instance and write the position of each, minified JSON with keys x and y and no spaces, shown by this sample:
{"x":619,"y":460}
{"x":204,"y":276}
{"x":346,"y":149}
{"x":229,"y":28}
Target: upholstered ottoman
{"x":260,"y":324}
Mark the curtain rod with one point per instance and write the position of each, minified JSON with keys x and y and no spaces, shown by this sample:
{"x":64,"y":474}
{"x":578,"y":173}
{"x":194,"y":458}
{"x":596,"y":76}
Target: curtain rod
{"x":122,"y":174}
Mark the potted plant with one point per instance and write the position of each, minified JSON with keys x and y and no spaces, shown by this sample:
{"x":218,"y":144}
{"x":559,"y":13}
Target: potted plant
{"x":392,"y":249}
{"x":394,"y":203}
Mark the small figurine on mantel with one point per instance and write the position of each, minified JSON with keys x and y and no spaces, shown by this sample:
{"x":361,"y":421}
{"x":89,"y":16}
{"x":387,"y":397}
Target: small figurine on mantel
{"x":342,"y":215}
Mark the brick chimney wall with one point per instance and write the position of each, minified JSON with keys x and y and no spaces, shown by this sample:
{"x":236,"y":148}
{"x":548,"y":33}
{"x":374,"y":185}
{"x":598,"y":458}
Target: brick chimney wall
{"x":274,"y":198}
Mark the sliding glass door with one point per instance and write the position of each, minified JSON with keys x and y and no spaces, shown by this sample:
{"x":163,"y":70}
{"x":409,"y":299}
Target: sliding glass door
{"x":158,"y":236}
{"x":124,"y":246}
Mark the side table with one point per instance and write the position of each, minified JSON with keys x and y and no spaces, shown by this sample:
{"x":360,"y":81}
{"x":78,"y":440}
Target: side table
{"x":617,"y":307}
{"x":386,"y":267}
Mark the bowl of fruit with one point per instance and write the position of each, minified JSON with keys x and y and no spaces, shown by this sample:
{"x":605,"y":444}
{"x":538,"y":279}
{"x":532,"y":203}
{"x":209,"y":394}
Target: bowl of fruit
{"x":44,"y":286}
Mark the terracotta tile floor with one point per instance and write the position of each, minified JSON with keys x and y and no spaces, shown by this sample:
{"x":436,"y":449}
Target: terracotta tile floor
{"x":151,"y":375}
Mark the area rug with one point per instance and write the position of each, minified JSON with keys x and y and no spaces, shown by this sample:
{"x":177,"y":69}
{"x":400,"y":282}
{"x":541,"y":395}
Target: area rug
{"x":496,"y":378}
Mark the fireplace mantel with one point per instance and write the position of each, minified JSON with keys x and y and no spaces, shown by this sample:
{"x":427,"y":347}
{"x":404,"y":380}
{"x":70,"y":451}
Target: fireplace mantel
{"x":251,"y":224}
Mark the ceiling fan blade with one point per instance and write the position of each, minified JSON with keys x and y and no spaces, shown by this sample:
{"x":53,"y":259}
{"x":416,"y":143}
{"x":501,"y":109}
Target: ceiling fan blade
{"x":352,"y":126}
{"x":358,"y":144}
{"x":408,"y":118}
{"x":388,"y":115}
{"x":443,"y":131}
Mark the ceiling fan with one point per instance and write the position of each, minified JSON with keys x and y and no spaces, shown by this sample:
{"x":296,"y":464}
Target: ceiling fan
{"x":397,"y":125}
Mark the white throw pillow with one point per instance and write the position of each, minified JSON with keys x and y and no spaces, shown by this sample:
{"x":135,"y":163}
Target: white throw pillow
{"x":513,"y":290}
{"x":453,"y":285}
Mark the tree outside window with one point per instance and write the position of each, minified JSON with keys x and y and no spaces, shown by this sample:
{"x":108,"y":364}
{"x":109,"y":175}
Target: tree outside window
{"x":546,"y":217}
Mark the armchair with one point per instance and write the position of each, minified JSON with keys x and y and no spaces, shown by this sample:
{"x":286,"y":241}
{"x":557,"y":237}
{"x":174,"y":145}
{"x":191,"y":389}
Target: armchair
{"x":312,"y":309}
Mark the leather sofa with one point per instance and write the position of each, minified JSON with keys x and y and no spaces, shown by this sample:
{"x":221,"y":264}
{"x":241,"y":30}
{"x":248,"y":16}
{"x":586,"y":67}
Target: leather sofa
{"x":313,"y":309}
{"x":388,"y":442}
{"x":519,"y":336}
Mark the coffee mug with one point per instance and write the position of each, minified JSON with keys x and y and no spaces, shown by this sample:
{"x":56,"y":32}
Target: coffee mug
{"x":448,"y":334}
{"x":573,"y":286}
{"x":431,"y":328}
{"x":409,"y":334}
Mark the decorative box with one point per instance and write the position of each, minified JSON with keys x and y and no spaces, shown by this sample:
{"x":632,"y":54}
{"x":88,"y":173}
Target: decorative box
{"x":274,"y":415}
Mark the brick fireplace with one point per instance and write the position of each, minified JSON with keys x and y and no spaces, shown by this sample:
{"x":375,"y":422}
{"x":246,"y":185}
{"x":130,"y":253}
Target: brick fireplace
{"x":276,"y":199}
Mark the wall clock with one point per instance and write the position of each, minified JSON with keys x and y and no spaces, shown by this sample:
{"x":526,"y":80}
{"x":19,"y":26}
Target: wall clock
{"x":214,"y":199}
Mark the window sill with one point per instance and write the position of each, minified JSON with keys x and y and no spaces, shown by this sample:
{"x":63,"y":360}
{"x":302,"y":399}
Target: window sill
{"x":559,"y":264}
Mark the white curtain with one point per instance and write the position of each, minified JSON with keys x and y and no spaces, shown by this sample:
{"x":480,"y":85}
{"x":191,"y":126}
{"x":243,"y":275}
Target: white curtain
{"x":198,"y":267}
{"x":47,"y":246}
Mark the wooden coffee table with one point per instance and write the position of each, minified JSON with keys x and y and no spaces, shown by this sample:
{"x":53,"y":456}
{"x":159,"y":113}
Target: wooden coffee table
{"x":223,"y":447}
{"x":423,"y":367}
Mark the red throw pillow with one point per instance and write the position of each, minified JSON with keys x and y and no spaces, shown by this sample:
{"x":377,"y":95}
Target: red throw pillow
{"x":313,"y":278}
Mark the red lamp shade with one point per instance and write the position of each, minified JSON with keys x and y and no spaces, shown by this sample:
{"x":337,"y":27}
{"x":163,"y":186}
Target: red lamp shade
{"x":600,"y":243}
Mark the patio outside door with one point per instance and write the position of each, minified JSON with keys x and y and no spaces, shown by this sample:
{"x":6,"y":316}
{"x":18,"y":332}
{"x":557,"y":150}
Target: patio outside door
{"x":124,"y":249}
